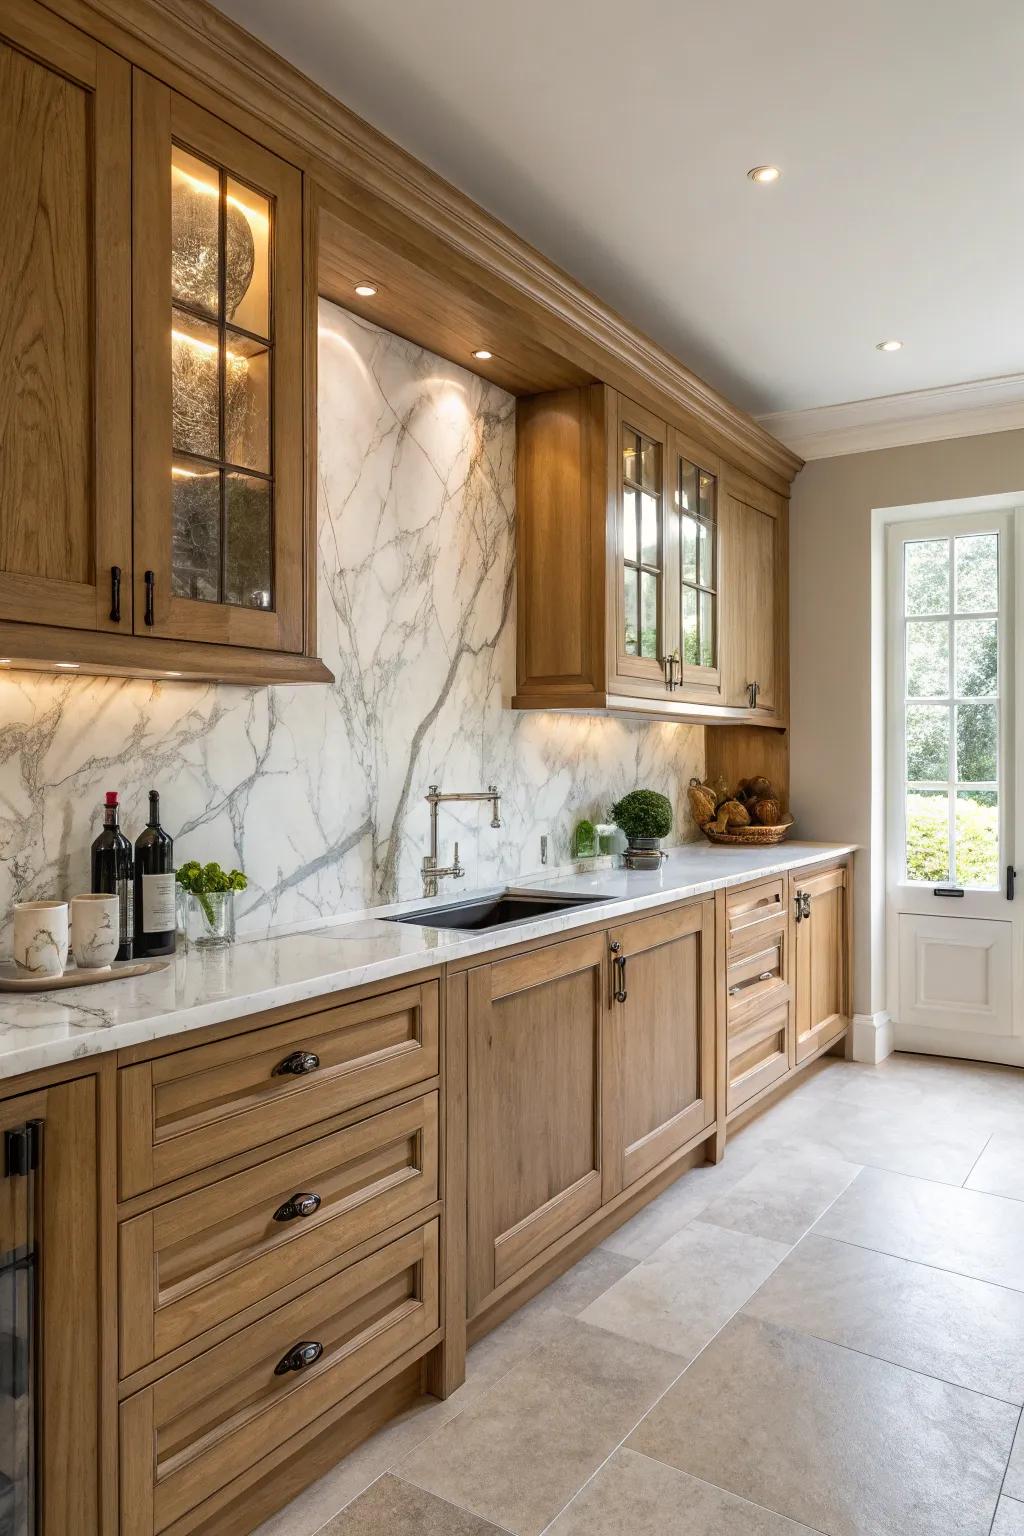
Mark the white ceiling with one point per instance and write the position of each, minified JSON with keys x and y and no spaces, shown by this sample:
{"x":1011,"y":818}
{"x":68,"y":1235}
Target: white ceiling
{"x":616,"y":137}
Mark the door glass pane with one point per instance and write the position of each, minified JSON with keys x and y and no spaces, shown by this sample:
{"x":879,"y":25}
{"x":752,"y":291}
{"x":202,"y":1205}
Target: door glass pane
{"x":976,"y":758}
{"x":977,"y":573}
{"x":706,"y":491}
{"x":649,"y":529}
{"x":630,"y":455}
{"x":195,"y":232}
{"x":928,"y":835}
{"x":247,"y":403}
{"x":629,"y":499}
{"x":706,"y":575}
{"x":631,"y":639}
{"x":689,"y":548}
{"x":649,"y":614}
{"x":691,"y":642}
{"x":707,"y":629}
{"x":247,"y":259}
{"x":928,"y":660}
{"x":650,"y":465}
{"x":687,"y":486}
{"x":977,"y":655}
{"x":927,"y":742}
{"x":977,"y":837}
{"x":927,"y":576}
{"x":247,"y":575}
{"x":195,"y":531}
{"x":195,"y":386}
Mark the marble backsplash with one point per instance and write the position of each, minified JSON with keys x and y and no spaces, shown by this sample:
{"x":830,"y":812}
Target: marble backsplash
{"x":316,"y":792}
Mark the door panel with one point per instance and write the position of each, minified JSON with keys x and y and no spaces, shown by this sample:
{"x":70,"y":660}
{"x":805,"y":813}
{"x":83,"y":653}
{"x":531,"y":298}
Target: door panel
{"x":642,"y":542}
{"x":822,"y":1007}
{"x":956,"y":974}
{"x":660,"y":1072}
{"x":534,"y":1169}
{"x":750,"y":577}
{"x":65,"y":315}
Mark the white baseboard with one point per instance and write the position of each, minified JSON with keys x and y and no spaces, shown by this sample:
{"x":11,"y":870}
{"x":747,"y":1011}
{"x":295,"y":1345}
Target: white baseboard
{"x":872,"y":1037}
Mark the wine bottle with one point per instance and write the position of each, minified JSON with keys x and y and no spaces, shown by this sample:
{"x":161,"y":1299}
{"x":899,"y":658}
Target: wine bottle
{"x":154,"y":886}
{"x":112,"y":872}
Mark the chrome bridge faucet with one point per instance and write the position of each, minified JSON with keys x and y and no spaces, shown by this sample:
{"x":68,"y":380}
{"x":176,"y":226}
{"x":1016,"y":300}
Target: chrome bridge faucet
{"x":431,"y":872}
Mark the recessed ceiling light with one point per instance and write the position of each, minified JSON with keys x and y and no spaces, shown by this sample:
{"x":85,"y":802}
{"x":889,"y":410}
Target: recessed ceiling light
{"x":365,"y":290}
{"x":482,"y":354}
{"x":68,"y":666}
{"x":764,"y":174}
{"x":888,"y":346}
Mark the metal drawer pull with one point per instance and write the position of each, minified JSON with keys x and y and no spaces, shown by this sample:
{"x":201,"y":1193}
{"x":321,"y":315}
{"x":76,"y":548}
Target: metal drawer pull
{"x":763,"y":976}
{"x":766,"y":976}
{"x":299,"y":1205}
{"x":150,"y":581}
{"x":805,"y":903}
{"x":299,"y":1357}
{"x":620,"y":965}
{"x":115,"y":594}
{"x":733,"y":990}
{"x":298,"y":1063}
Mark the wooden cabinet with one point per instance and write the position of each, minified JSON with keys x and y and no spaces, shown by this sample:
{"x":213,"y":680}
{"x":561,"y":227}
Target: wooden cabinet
{"x":155,"y":403}
{"x":821,"y":948}
{"x":644,"y":587}
{"x":65,"y":318}
{"x":49,"y":1301}
{"x":535,"y":1025}
{"x":660,"y":1061}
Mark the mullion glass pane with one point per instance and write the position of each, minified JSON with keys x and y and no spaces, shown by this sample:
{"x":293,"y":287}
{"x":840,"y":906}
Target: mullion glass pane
{"x":195,"y":531}
{"x":977,"y":655}
{"x":706,"y":494}
{"x":629,"y":536}
{"x":977,"y":837}
{"x":247,"y":541}
{"x":688,"y":535}
{"x":927,"y":659}
{"x":707,"y":630}
{"x":650,"y":465}
{"x":926,"y":578}
{"x":631,"y":638}
{"x":688,"y":500}
{"x":705,"y":556}
{"x":927,"y":850}
{"x":630,"y":455}
{"x":247,"y":258}
{"x":977,"y":573}
{"x":976,"y":741}
{"x":247,"y":403}
{"x":928,"y":743}
{"x":691,"y":639}
{"x":195,"y":232}
{"x":195,"y":386}
{"x":648,"y":614}
{"x":649,"y":551}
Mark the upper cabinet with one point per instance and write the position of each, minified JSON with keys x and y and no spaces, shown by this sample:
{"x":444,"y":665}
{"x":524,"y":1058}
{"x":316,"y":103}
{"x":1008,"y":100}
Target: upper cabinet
{"x":154,"y":405}
{"x":651,"y":575}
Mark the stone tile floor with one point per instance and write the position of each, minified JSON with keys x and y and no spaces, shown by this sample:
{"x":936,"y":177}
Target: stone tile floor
{"x":824,"y":1334}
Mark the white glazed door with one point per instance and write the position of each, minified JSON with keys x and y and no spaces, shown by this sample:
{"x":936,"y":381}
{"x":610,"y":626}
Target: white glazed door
{"x":952,"y":826}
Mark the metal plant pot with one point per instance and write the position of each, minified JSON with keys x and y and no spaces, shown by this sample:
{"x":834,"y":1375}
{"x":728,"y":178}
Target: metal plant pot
{"x":644,"y":853}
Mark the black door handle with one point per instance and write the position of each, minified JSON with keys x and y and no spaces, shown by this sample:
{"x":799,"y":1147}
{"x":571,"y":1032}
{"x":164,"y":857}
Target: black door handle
{"x":299,"y":1205}
{"x":298,"y":1063}
{"x":150,"y":581}
{"x":1011,"y":877}
{"x":299,"y":1356}
{"x":620,"y":993}
{"x":115,"y":594}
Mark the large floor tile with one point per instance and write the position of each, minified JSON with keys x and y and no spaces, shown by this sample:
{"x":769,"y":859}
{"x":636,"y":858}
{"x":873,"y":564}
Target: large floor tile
{"x":401,"y":1509}
{"x":1000,"y":1168}
{"x":956,"y":1229}
{"x":517,"y":1454}
{"x":929,"y":1320}
{"x":1013,"y":1487}
{"x":842,"y":1442}
{"x":688,"y":1289}
{"x":1009,"y":1519}
{"x":927,"y":1143}
{"x":647,"y":1498}
{"x":681,"y":1202}
{"x":783,"y":1196}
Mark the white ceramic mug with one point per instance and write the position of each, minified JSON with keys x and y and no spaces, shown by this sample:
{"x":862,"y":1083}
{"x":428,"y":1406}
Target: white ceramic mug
{"x":95,"y":930}
{"x":41,"y":937}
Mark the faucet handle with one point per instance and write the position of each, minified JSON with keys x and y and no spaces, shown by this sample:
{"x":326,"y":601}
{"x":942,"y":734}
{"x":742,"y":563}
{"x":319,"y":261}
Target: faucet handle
{"x":457,"y":870}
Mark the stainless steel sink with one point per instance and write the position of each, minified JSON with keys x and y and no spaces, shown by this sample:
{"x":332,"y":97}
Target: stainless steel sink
{"x":499,"y":911}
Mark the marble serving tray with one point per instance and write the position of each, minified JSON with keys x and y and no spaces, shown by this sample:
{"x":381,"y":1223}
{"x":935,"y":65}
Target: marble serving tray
{"x":11,"y":980}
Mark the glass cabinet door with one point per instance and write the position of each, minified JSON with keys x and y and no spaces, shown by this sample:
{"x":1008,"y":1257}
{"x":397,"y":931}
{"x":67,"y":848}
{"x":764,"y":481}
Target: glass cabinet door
{"x":643,"y":549}
{"x":695,"y":491}
{"x":219,"y":419}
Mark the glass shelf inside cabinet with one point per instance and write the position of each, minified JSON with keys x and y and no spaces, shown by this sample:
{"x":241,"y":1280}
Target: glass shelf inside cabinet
{"x":222,"y":383}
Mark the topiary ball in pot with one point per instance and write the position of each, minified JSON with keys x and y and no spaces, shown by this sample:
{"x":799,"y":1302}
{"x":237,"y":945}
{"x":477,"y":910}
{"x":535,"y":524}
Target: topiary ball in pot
{"x":646,"y":817}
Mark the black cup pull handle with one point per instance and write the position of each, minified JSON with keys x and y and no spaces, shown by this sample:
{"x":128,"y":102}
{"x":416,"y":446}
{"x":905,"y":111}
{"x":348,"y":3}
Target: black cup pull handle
{"x":299,"y":1356}
{"x":150,"y":581}
{"x":297,"y":1064}
{"x":299,"y":1205}
{"x":115,"y":594}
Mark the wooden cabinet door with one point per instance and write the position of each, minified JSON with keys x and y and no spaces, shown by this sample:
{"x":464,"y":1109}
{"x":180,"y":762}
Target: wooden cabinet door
{"x":641,"y":537}
{"x":693,"y":640}
{"x":65,"y":316}
{"x":534,"y":1135}
{"x":660,"y":1067}
{"x":822,"y":959}
{"x":218,"y":339}
{"x":752,"y":604}
{"x":49,"y":1300}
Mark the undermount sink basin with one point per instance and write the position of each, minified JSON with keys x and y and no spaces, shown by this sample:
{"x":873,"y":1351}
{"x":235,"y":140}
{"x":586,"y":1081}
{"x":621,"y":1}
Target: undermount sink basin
{"x":500,"y":911}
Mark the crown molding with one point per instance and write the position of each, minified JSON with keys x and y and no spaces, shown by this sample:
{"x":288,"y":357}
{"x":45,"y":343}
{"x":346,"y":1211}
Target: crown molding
{"x":893,"y":421}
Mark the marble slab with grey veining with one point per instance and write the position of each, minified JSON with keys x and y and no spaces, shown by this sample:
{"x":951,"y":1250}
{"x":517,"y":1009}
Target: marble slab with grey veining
{"x":209,"y":987}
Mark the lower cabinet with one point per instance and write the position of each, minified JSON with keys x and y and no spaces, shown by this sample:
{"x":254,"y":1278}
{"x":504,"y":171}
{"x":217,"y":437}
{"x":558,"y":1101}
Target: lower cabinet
{"x":660,"y":1066}
{"x":821,"y":952}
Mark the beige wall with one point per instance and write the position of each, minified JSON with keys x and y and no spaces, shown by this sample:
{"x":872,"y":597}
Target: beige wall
{"x":837,"y":744}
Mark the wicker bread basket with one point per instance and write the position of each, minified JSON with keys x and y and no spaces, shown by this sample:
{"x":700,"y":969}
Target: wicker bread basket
{"x":752,"y":836}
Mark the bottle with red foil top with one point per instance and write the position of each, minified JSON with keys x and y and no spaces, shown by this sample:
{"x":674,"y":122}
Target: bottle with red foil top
{"x":113,"y":868}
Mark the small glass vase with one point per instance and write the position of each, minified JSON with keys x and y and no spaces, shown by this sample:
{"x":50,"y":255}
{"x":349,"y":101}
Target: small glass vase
{"x":208,"y":920}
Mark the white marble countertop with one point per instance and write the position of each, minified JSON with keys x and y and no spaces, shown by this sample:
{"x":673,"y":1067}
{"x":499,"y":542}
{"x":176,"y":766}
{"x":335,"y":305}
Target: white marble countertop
{"x":208,"y":987}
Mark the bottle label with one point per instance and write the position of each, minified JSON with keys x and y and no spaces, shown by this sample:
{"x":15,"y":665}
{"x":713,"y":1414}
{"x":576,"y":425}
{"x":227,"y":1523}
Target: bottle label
{"x":158,"y":913}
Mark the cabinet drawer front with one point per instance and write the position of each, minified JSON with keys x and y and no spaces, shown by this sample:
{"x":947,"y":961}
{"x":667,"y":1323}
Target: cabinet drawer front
{"x":756,"y":978}
{"x":190,"y":1110}
{"x":220,"y":1415}
{"x":197,"y":1261}
{"x":758,"y":1056}
{"x":752,"y":910}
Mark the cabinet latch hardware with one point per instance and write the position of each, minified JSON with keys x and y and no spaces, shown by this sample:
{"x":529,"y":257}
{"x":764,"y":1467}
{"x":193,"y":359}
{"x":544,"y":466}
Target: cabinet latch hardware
{"x":753,"y":689}
{"x":21,"y":1149}
{"x":805,"y":903}
{"x":299,"y":1356}
{"x":620,"y":994}
{"x":115,"y":594}
{"x":798,"y":902}
{"x":670,"y":664}
{"x":299,"y":1205}
{"x":297,"y":1064}
{"x":150,"y":579}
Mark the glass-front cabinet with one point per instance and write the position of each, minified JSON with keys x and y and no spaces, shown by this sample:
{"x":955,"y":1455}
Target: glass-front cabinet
{"x":695,"y":508}
{"x":218,"y":385}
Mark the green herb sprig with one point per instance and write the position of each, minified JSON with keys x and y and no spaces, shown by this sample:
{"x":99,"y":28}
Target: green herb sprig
{"x":205,"y":880}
